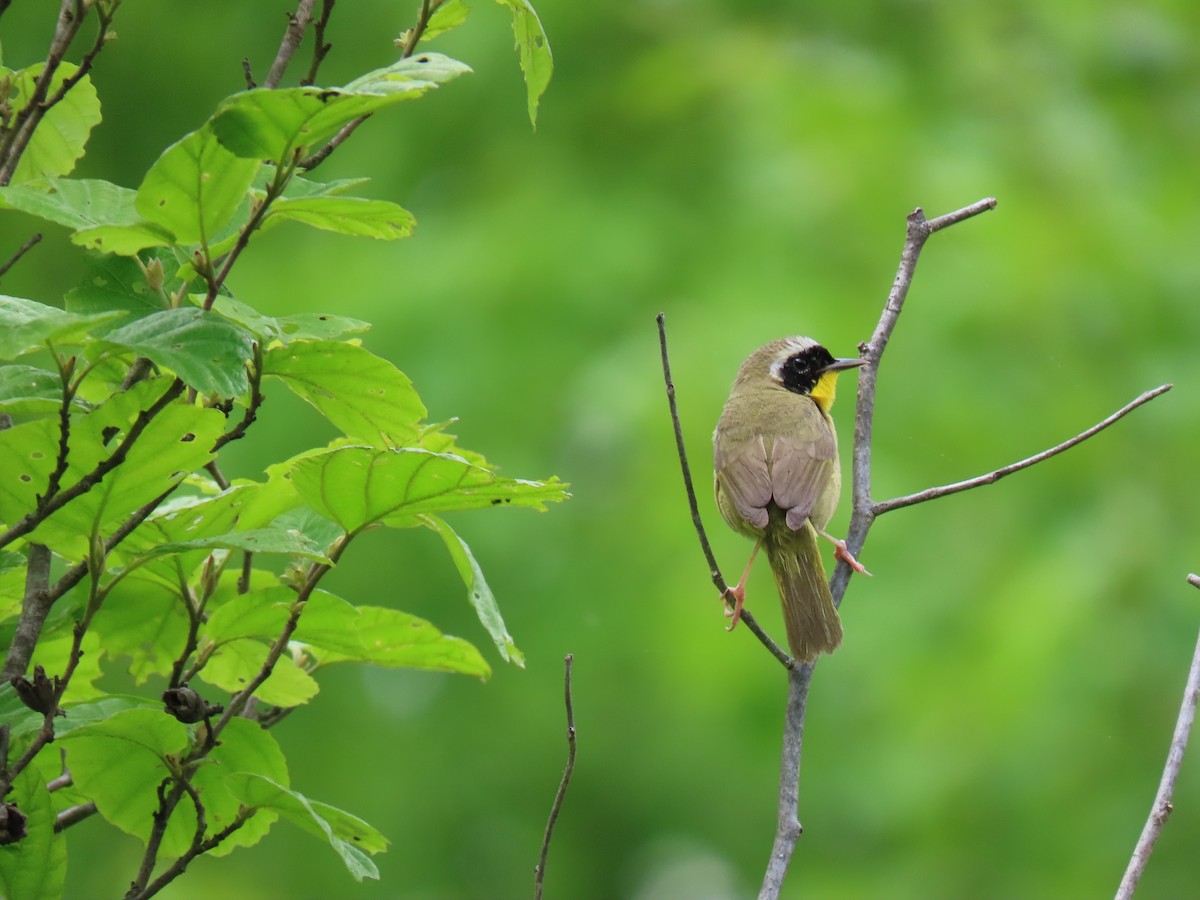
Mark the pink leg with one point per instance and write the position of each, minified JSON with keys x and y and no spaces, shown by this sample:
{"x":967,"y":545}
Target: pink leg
{"x":841,"y":552}
{"x":739,"y":592}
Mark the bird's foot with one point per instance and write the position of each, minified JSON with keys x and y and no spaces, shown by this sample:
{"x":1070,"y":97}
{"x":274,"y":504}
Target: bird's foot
{"x":842,"y":552}
{"x":738,"y":593}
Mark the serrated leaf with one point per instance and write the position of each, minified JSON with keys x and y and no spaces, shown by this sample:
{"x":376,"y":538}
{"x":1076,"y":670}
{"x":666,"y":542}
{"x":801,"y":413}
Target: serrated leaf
{"x":59,"y":140}
{"x":35,"y":867}
{"x":195,"y":187}
{"x":537,"y":63}
{"x":275,"y":124}
{"x":207,"y":351}
{"x":347,"y":215}
{"x":75,"y":203}
{"x":365,"y":396}
{"x":347,"y":834}
{"x":26,"y":325}
{"x":478,"y":591}
{"x":358,"y":486}
{"x":234,"y":663}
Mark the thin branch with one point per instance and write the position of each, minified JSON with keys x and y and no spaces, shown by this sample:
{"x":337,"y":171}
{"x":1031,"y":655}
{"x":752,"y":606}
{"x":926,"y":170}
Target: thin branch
{"x":917,"y":231}
{"x":34,"y":609}
{"x":787,"y":826}
{"x":413,"y":37}
{"x":73,"y":816}
{"x":292,"y":36}
{"x":70,"y":18}
{"x":177,"y":868}
{"x":561,"y":794}
{"x":21,"y":251}
{"x":52,"y":504}
{"x":320,"y":47}
{"x":934,"y":493}
{"x":1160,"y":810}
{"x":718,"y":579}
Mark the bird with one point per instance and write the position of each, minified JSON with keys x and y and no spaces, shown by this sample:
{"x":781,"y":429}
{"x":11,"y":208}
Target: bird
{"x":777,"y":480}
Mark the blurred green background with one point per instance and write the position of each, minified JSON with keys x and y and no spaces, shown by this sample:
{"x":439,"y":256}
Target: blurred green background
{"x":996,"y":721}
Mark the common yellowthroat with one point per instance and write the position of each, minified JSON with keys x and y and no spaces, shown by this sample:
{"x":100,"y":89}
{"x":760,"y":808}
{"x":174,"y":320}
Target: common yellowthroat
{"x":777,"y":479}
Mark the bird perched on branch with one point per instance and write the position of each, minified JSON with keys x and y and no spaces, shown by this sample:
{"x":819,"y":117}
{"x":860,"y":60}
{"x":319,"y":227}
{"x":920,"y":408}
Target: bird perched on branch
{"x":777,"y":479}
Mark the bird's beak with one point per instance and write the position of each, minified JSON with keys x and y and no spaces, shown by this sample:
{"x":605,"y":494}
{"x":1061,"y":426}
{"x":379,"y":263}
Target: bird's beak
{"x":838,"y":364}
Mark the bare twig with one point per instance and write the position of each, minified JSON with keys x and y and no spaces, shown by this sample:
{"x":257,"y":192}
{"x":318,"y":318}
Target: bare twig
{"x":994,"y":476}
{"x":292,"y":36}
{"x":560,"y":795}
{"x":21,"y":251}
{"x":320,"y":47}
{"x":35,"y":607}
{"x":1160,"y":810}
{"x":718,"y":579}
{"x":70,"y":18}
{"x":787,"y":826}
{"x":73,"y":815}
{"x":414,"y":34}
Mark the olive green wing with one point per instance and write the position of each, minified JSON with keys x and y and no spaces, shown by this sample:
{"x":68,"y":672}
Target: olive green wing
{"x":743,"y":476}
{"x":801,"y":467}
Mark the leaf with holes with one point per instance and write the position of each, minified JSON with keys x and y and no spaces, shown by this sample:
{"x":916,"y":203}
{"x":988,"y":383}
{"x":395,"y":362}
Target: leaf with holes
{"x":195,"y":187}
{"x":537,"y":63}
{"x":275,"y":124}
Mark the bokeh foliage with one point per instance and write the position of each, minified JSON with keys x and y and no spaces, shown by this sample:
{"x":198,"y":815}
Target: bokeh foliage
{"x":996,"y":720}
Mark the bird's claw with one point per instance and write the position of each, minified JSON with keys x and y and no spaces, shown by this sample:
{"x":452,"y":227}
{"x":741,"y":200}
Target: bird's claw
{"x":842,"y":552}
{"x":734,"y":613}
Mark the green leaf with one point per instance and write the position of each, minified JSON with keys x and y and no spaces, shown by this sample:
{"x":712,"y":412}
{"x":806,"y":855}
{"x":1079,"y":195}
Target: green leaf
{"x":245,"y":748}
{"x":35,"y":867}
{"x":145,"y":621}
{"x":358,"y":486}
{"x":195,"y":187}
{"x":124,"y":240}
{"x":284,"y":329}
{"x":28,"y":389}
{"x":26,"y":325}
{"x":176,"y":442}
{"x":207,"y":351}
{"x":365,"y":396}
{"x":478,"y":591}
{"x":347,"y":215}
{"x":75,"y":203}
{"x":275,"y":124}
{"x":120,"y":283}
{"x":389,"y":638}
{"x":536,"y":60}
{"x":60,"y":138}
{"x":347,"y":834}
{"x":234,"y":664}
{"x":54,"y":650}
{"x":449,"y":15}
{"x":256,"y":540}
{"x":120,"y":761}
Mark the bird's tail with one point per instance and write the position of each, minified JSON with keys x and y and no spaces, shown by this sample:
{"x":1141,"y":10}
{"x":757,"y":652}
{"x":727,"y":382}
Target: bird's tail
{"x":811,"y":619}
